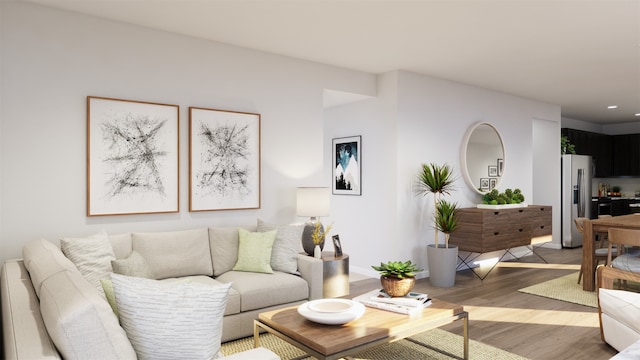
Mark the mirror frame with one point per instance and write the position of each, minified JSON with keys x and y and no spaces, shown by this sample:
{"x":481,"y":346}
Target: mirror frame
{"x":463,"y":156}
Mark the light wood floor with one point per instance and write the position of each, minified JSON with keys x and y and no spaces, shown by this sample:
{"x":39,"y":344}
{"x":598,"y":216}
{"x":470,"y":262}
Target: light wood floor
{"x":524,"y":324}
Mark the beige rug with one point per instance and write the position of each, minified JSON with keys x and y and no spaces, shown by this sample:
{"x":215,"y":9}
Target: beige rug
{"x":565,"y":288}
{"x":448,"y":345}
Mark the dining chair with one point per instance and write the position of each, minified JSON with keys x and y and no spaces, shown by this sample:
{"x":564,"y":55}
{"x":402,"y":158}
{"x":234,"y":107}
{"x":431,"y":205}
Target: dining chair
{"x":600,"y":253}
{"x":627,"y":242}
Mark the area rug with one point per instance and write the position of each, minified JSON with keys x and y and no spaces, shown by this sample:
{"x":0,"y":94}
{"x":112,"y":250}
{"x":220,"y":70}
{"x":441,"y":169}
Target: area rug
{"x":434,"y":344}
{"x":565,"y":288}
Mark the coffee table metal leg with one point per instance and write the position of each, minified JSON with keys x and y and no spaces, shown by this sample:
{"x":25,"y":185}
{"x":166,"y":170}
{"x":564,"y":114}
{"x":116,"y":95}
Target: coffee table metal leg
{"x":256,"y":334}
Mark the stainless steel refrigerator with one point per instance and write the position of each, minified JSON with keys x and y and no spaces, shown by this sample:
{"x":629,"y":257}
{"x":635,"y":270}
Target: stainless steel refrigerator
{"x":577,"y":171}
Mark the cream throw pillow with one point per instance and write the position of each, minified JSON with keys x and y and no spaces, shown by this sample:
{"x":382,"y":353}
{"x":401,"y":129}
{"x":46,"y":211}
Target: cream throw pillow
{"x":171,"y":320}
{"x":284,"y":256}
{"x":254,"y":251}
{"x":91,"y":255}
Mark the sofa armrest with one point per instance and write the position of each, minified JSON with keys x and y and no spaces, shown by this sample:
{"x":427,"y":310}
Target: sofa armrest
{"x":311,"y":270}
{"x":24,"y":333}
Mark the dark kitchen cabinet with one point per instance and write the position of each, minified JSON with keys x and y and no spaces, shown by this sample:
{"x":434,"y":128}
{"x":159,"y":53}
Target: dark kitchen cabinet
{"x":598,"y":146}
{"x":626,"y":155}
{"x":618,"y":206}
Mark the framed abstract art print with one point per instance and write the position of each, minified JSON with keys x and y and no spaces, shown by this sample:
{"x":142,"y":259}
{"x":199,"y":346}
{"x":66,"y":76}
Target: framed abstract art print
{"x":132,"y":157}
{"x":224,"y":160}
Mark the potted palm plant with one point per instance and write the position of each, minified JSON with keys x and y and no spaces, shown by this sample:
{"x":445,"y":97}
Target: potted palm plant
{"x":442,"y":259}
{"x":396,"y":277}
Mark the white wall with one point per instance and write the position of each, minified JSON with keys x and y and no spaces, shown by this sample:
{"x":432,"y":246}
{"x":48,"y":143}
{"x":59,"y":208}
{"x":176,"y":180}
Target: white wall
{"x":51,"y":60}
{"x":424,"y":120}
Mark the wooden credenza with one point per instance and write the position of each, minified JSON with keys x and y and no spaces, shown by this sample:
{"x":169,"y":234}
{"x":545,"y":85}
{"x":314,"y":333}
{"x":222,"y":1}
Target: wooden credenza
{"x":486,"y":230}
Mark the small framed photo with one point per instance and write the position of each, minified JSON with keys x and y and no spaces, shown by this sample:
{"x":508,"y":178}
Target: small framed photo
{"x":492,"y":183}
{"x":500,"y":166}
{"x":337,"y":245}
{"x":493,"y":170}
{"x":347,"y":162}
{"x":484,"y":184}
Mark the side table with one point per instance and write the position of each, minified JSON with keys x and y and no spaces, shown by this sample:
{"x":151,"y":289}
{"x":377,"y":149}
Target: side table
{"x":335,"y":275}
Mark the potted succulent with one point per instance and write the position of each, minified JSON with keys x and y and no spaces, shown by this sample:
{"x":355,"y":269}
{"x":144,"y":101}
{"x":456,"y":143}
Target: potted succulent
{"x":442,"y":259}
{"x":396,"y":277}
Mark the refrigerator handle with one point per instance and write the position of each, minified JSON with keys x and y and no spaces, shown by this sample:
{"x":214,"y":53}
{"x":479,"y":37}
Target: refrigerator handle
{"x":581,"y":193}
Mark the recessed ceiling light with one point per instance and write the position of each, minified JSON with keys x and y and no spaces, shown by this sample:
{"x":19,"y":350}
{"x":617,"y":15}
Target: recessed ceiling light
{"x":612,"y":107}
{"x":637,"y":114}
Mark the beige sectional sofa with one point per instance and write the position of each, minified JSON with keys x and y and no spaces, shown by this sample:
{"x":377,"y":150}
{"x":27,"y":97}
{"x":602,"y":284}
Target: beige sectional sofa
{"x":54,"y":307}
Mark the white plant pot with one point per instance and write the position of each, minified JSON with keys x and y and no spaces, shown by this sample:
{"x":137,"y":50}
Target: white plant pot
{"x":443,"y":263}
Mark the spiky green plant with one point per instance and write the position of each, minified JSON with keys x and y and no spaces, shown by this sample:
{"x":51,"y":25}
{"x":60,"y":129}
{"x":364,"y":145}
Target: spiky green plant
{"x":446,"y":219}
{"x":437,"y":180}
{"x":397,"y":269}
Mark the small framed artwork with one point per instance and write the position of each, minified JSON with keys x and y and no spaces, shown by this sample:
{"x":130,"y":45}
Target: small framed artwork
{"x":337,"y":245}
{"x":493,"y":170}
{"x":492,"y":183}
{"x":132,"y":157}
{"x":224,"y":160}
{"x":500,"y":166}
{"x":484,"y":184}
{"x":347,"y":166}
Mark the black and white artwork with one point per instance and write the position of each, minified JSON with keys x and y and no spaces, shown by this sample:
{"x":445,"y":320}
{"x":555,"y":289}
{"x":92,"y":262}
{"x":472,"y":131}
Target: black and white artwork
{"x":224,"y":161}
{"x":132,"y":157}
{"x":347,"y":158}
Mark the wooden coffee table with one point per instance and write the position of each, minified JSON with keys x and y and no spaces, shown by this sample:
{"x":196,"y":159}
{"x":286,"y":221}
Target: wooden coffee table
{"x":374,"y":328}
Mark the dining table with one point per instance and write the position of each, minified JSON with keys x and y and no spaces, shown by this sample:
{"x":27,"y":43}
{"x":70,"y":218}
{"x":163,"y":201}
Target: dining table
{"x":602,"y":225}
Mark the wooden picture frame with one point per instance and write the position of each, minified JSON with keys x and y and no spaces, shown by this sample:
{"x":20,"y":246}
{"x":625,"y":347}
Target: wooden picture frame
{"x":347,"y":166}
{"x":337,"y":246}
{"x":132,"y":157}
{"x":224,"y":160}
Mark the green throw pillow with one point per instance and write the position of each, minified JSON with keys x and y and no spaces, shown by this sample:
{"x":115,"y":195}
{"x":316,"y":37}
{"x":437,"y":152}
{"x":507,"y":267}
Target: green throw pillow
{"x":254,"y":251}
{"x":107,"y":285}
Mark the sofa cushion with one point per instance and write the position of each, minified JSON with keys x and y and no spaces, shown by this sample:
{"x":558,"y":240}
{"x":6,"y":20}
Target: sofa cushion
{"x":175,"y":253}
{"x":134,"y":265}
{"x":165,"y":320}
{"x":224,"y":243}
{"x":121,"y":244}
{"x":43,"y":259}
{"x":284,"y":256}
{"x":254,"y":251}
{"x":80,"y":321}
{"x":92,"y":256}
{"x":258,"y":290}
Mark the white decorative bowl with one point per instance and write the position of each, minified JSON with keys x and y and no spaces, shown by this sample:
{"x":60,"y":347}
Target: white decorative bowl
{"x":331,"y":311}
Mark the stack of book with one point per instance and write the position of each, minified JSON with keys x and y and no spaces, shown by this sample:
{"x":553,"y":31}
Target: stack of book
{"x":409,"y":304}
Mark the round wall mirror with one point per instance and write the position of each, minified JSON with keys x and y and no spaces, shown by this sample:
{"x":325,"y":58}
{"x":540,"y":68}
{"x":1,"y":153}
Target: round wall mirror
{"x":482,"y":157}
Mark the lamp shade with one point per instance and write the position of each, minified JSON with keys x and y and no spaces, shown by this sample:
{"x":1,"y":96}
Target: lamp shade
{"x":313,"y":201}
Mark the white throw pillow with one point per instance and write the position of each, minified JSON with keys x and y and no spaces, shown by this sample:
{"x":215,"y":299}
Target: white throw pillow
{"x":92,"y":256}
{"x":171,"y":320}
{"x":284,"y":255}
